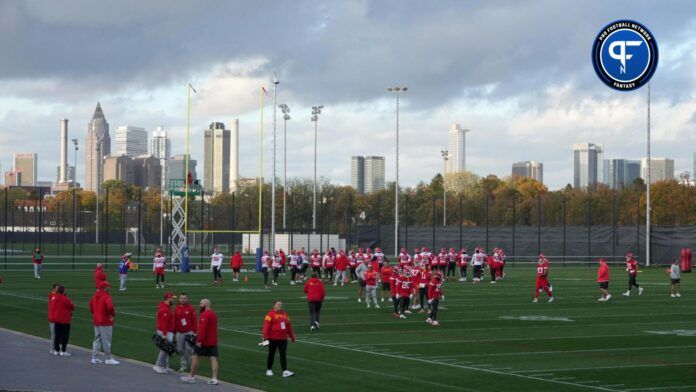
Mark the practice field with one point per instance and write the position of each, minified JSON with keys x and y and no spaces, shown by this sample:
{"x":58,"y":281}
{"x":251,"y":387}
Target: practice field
{"x":491,"y":338}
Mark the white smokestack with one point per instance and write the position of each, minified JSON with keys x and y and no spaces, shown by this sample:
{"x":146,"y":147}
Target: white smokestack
{"x":234,"y":155}
{"x":63,"y":177}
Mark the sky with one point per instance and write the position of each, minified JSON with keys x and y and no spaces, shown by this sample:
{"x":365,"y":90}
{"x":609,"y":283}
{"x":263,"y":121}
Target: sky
{"x":517,"y":73}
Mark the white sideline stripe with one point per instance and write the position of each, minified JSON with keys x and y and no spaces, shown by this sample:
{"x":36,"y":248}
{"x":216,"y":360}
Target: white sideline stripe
{"x":542,"y":375}
{"x":660,"y":388}
{"x":570,"y":351}
{"x":513,"y":339}
{"x":610,"y":367}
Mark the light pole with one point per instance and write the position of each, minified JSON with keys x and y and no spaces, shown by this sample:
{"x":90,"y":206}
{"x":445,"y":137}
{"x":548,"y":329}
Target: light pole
{"x":286,"y":116}
{"x":316,"y":111}
{"x":74,"y":187}
{"x":273,"y":182}
{"x":445,"y":157}
{"x":75,"y":163}
{"x":99,"y":159}
{"x":647,"y":193}
{"x":397,"y":91}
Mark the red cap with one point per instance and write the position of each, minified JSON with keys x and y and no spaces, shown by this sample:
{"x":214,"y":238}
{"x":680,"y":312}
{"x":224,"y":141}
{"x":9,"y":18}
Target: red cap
{"x":168,"y":295}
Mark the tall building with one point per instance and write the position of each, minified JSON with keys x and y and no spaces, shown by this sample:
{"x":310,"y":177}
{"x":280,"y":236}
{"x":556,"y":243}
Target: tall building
{"x":661,"y":169}
{"x":161,"y":148}
{"x":25,"y":163}
{"x":147,"y":171}
{"x":588,"y":164}
{"x":530,"y":169}
{"x":234,"y":155}
{"x":216,"y":158}
{"x":374,"y":174}
{"x":620,"y":173}
{"x":118,"y":168}
{"x":97,"y":146}
{"x":456,"y":146}
{"x":357,"y":173}
{"x":63,"y":164}
{"x":176,"y":168}
{"x":69,"y":176}
{"x":131,"y":141}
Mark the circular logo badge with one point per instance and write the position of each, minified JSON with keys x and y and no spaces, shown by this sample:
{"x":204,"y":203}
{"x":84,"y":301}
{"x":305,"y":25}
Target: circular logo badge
{"x":624,"y":55}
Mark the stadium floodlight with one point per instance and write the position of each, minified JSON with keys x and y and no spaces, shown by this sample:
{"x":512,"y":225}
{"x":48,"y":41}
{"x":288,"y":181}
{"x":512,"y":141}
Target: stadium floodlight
{"x":445,"y":158}
{"x":286,"y":116}
{"x":316,"y":111}
{"x":397,"y":91}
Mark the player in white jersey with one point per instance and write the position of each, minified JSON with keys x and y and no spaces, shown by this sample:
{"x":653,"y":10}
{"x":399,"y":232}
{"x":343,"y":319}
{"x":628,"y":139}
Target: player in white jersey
{"x":463,"y":263}
{"x":404,"y":258}
{"x":158,"y":269}
{"x":294,"y":266}
{"x":477,"y":262}
{"x":266,"y":262}
{"x":216,"y":265}
{"x":380,"y":256}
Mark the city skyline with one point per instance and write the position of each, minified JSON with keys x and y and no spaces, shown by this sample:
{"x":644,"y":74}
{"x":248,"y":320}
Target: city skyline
{"x":520,"y":106}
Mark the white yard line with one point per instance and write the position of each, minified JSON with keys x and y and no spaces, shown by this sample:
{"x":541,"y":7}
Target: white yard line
{"x":569,"y":351}
{"x":608,"y":367}
{"x":661,"y":388}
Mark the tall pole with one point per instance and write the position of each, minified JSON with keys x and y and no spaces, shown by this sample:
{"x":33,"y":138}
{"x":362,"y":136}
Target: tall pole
{"x":316,"y":111}
{"x":396,"y":90}
{"x":74,"y":187}
{"x":273,"y":180}
{"x":286,"y":116}
{"x":647,"y":193}
{"x":445,"y":157}
{"x":99,"y":159}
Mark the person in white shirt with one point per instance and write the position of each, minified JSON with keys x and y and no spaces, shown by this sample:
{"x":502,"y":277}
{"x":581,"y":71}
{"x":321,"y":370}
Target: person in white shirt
{"x":675,"y":275}
{"x":478,"y":261}
{"x":216,"y":265}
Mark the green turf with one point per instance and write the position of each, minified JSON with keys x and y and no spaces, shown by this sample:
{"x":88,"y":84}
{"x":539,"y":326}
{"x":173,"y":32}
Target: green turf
{"x":481,"y":345}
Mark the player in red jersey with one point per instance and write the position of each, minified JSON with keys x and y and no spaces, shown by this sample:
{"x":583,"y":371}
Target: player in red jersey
{"x":394,"y":289}
{"x":385,"y":276}
{"x":632,"y":269}
{"x":542,"y":280}
{"x":423,"y":278}
{"x":463,"y":264}
{"x":492,"y":267}
{"x":404,"y":283}
{"x":315,"y":262}
{"x":434,"y":295}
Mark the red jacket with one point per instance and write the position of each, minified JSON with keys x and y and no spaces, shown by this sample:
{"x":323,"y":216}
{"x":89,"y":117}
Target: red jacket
{"x":208,"y":329}
{"x":603,"y":273}
{"x":185,"y":319}
{"x":165,"y":318}
{"x":63,"y":308}
{"x":99,"y":276}
{"x":314,"y":288}
{"x":35,"y":259}
{"x":276,"y":326}
{"x":236,"y":261}
{"x":341,"y":262}
{"x":435,"y":289}
{"x":102,"y":309}
{"x":51,"y":307}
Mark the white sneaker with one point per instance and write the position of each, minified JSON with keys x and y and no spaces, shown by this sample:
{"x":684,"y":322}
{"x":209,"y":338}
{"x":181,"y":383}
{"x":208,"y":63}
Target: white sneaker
{"x":535,"y":301}
{"x":628,"y":293}
{"x":56,"y":353}
{"x":601,"y":299}
{"x":673,"y":296}
{"x":269,"y":372}
{"x":377,"y":306}
{"x":608,"y":297}
{"x":188,"y":379}
{"x":111,"y":362}
{"x":492,"y":281}
{"x":287,"y":373}
{"x":551,"y":299}
{"x":407,"y":311}
{"x":213,"y":381}
{"x":182,"y":370}
{"x":435,"y":323}
{"x":429,"y":320}
{"x":159,"y":369}
{"x":382,"y":299}
{"x":316,"y":323}
{"x":96,"y":361}
{"x":640,"y":290}
{"x":335,"y":284}
{"x":359,"y":300}
{"x":391,"y":300}
{"x":53,"y":351}
{"x":678,"y":295}
{"x":402,"y":316}
{"x":65,"y":354}
{"x":368,"y":305}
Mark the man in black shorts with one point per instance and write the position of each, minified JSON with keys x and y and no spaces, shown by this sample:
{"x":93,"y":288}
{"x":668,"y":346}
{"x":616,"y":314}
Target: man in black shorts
{"x":206,"y":343}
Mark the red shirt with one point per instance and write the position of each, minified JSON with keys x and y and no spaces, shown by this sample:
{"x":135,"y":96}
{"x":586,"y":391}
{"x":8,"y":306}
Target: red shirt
{"x":632,"y":267}
{"x":423,"y":277}
{"x":404,"y":285}
{"x":51,"y":307}
{"x":328,"y":261}
{"x":370,"y":278}
{"x":208,"y":329}
{"x":543,"y":269}
{"x":276,"y":326}
{"x":435,"y":289}
{"x":283,"y":258}
{"x":185,"y":319}
{"x":603,"y":273}
{"x":102,"y":309}
{"x":35,"y":259}
{"x":236,"y":261}
{"x":315,"y":261}
{"x":386,"y":273}
{"x":63,"y":308}
{"x":463,"y":260}
{"x":314,"y":288}
{"x":341,"y":262}
{"x":392,"y":285}
{"x":99,"y":276}
{"x":165,"y":318}
{"x":442,"y":258}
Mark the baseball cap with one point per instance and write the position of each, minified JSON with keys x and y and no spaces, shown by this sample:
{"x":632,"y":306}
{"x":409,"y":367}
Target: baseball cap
{"x":168,"y":295}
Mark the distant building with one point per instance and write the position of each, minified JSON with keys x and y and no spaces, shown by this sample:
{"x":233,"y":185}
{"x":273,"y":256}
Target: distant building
{"x":147,"y":171}
{"x":357,"y":173}
{"x":529,"y":169}
{"x":25,"y":163}
{"x":588,"y":164}
{"x":97,"y":146}
{"x":118,"y":168}
{"x":176,"y":169}
{"x":69,"y":174}
{"x":456,"y":146}
{"x":216,"y":158}
{"x":374,"y":174}
{"x":131,"y":141}
{"x":620,"y":173}
{"x":661,"y":169}
{"x":160,"y":147}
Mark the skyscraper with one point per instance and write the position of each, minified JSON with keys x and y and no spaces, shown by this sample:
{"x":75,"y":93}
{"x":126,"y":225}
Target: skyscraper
{"x":374,"y":174}
{"x":234,"y":155}
{"x":216,"y":158}
{"x":357,"y":173}
{"x":456,"y":146}
{"x":588,"y":164}
{"x":131,"y":141}
{"x":661,"y":169}
{"x":530,"y":169}
{"x":97,"y":145}
{"x":177,"y":167}
{"x":63,"y":164}
{"x":620,"y":173}
{"x":160,"y":147}
{"x":25,"y":163}
{"x":69,"y":176}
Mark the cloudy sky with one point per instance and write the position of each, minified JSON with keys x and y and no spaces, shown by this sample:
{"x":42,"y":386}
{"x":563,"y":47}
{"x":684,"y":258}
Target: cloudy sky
{"x":517,"y":73}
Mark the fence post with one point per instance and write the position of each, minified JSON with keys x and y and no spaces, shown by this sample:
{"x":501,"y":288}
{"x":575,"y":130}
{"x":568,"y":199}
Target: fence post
{"x":40,"y":223}
{"x":589,"y":229}
{"x":487,"y":206}
{"x":461,"y":211}
{"x":140,"y":222}
{"x":638,"y":228}
{"x":379,"y":220}
{"x":350,"y":220}
{"x":565,"y":215}
{"x":4,"y":230}
{"x":433,"y":220}
{"x":405,"y":223}
{"x":514,"y":222}
{"x":615,"y":239}
{"x":202,"y":227}
{"x":106,"y":229}
{"x":539,"y":223}
{"x":74,"y":196}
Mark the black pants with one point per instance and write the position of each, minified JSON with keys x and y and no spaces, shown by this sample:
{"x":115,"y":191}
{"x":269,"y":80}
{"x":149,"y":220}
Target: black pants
{"x":492,"y":270}
{"x":317,"y":270}
{"x":450,"y":269}
{"x":462,"y":272}
{"x":216,"y":273}
{"x":353,"y":276}
{"x":433,"y":309}
{"x":293,"y":273}
{"x":159,"y":278}
{"x":276,"y":271}
{"x":403,"y":304}
{"x":395,"y":302}
{"x":264,"y":271}
{"x":282,"y":346}
{"x":62,"y":332}
{"x":632,"y":282}
{"x":423,"y":296}
{"x":477,"y":272}
{"x":314,"y":310}
{"x":329,"y":273}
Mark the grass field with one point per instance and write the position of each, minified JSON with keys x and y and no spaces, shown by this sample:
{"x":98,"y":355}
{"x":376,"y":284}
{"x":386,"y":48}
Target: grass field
{"x":491,"y":338}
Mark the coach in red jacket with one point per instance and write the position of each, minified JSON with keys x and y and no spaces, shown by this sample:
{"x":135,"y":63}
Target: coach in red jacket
{"x":62,"y":308}
{"x":103,"y":313}
{"x":99,"y":276}
{"x":236,"y":264}
{"x":276,"y":330}
{"x":165,"y":329}
{"x":185,"y":323}
{"x":206,"y":343}
{"x":314,"y":288}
